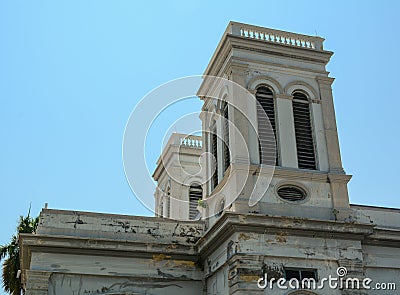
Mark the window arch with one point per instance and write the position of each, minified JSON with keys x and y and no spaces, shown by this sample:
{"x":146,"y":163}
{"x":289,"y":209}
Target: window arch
{"x":225,"y":144}
{"x":303,"y":131}
{"x":267,"y":142}
{"x":195,"y":194}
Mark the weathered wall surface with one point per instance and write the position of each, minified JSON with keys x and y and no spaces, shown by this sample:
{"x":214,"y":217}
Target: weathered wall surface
{"x":67,"y":284}
{"x":246,"y":257}
{"x":92,"y":253}
{"x":382,"y":265}
{"x":119,"y":227}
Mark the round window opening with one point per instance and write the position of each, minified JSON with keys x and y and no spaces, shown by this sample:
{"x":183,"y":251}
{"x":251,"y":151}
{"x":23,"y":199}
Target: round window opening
{"x":291,"y":193}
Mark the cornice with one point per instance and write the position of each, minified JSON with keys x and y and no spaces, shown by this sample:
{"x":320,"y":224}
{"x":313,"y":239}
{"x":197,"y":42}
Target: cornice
{"x":230,"y":42}
{"x":230,"y":223}
{"x":325,"y":80}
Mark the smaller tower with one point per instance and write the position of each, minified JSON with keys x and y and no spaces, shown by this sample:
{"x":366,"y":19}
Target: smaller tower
{"x":178,"y":177}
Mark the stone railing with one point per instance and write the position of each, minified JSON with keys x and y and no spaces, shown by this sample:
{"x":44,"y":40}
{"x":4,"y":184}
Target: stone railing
{"x":275,"y":36}
{"x":191,"y":141}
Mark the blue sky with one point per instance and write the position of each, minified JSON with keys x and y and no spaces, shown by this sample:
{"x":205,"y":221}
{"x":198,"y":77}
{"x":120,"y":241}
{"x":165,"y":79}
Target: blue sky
{"x":72,"y":71}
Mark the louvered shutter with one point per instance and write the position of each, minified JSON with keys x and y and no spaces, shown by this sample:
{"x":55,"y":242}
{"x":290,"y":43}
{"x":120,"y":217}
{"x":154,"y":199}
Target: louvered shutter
{"x":227,"y":158}
{"x":214,"y":152}
{"x":303,"y":131}
{"x":291,"y":193}
{"x":195,"y":194}
{"x":168,"y":203}
{"x":267,"y":142}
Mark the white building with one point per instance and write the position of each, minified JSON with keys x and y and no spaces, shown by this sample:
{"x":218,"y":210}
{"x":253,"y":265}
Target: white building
{"x":303,"y":226}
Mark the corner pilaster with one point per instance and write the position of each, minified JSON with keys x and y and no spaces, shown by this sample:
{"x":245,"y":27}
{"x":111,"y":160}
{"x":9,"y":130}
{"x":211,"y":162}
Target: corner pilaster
{"x":331,"y":134}
{"x":37,"y":282}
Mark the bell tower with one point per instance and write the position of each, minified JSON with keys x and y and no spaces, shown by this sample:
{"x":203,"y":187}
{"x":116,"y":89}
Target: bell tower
{"x":286,"y":75}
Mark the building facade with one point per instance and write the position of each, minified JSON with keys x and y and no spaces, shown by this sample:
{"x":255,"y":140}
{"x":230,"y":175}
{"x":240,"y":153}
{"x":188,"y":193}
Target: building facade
{"x":207,"y":237}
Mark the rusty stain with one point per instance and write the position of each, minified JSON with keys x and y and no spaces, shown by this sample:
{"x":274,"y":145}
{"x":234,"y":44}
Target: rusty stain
{"x":161,"y":257}
{"x":184,"y":263}
{"x":249,"y":278}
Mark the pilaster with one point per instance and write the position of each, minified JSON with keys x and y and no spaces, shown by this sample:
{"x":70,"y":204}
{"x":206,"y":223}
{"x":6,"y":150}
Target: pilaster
{"x":331,"y":134}
{"x":37,"y":282}
{"x":285,"y":131}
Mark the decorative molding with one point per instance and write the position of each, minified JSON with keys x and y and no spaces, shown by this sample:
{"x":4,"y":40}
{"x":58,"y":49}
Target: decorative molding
{"x":325,"y":80}
{"x":305,"y":86}
{"x":265,"y":80}
{"x":277,"y":65}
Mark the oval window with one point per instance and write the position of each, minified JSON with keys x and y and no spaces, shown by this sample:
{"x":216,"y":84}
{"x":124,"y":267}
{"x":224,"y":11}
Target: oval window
{"x":291,"y":193}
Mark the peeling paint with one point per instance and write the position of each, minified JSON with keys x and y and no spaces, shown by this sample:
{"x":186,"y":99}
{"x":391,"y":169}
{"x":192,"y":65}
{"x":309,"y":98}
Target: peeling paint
{"x":281,"y":237}
{"x":243,"y":237}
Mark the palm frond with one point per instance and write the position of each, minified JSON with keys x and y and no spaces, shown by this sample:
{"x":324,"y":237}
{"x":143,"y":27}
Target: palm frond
{"x":10,"y":252}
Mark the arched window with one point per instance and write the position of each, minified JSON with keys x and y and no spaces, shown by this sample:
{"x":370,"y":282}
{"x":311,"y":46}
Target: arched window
{"x":195,"y":194}
{"x":225,"y":144}
{"x":214,"y":152}
{"x":267,"y":142}
{"x":303,"y":131}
